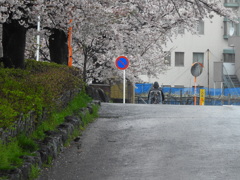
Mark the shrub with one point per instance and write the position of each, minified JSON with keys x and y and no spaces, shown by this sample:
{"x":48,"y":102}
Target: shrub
{"x":17,"y":95}
{"x":26,"y":143}
{"x":40,"y":85}
{"x":10,"y":154}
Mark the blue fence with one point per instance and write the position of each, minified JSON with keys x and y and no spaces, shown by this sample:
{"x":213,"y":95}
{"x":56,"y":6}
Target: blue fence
{"x":144,"y":88}
{"x":190,"y":101}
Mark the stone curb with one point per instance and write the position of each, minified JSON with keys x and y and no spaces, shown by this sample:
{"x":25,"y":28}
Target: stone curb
{"x":50,"y":147}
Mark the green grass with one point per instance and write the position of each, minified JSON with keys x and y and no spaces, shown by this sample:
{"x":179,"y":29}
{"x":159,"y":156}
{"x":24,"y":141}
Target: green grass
{"x":48,"y":163}
{"x":86,"y":119}
{"x":10,"y":154}
{"x":25,"y":145}
{"x":39,"y":85}
{"x":4,"y":178}
{"x":80,"y":101}
{"x":35,"y":172}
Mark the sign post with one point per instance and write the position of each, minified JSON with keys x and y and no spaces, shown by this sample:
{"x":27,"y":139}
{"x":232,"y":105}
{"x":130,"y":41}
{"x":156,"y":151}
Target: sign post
{"x":122,"y":63}
{"x":195,"y":90}
{"x":196,"y":71}
{"x":124,"y":86}
{"x":202,"y":97}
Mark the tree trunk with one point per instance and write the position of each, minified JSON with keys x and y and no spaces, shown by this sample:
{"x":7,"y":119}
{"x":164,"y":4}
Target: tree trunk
{"x":97,"y":65}
{"x":58,"y":47}
{"x":13,"y":42}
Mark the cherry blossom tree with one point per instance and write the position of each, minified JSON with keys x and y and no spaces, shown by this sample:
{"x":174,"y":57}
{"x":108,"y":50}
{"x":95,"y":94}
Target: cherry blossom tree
{"x":106,"y":29}
{"x":31,"y":45}
{"x":92,"y":40}
{"x":138,"y":30}
{"x":17,"y":16}
{"x":56,"y":22}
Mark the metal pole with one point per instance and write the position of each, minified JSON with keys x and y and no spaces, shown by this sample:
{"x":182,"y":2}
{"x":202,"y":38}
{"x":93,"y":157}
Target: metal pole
{"x":214,"y":88}
{"x":221,"y":88}
{"x":195,"y":90}
{"x":214,"y":102}
{"x":70,"y":44}
{"x":133,"y":99}
{"x":38,"y":39}
{"x":124,"y":83}
{"x":208,"y":73}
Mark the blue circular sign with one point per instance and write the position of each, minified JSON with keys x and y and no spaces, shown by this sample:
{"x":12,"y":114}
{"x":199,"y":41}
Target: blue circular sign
{"x":122,"y":62}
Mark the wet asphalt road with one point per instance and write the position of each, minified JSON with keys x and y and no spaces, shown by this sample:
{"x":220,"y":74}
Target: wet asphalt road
{"x":154,"y":142}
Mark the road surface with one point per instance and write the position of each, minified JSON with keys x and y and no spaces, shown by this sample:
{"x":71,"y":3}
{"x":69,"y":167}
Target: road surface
{"x":154,"y":142}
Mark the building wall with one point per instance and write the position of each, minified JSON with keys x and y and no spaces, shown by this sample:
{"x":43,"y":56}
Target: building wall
{"x":189,"y":43}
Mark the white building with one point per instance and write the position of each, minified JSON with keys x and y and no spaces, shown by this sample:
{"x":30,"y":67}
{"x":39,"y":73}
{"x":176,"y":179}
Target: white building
{"x":210,"y":47}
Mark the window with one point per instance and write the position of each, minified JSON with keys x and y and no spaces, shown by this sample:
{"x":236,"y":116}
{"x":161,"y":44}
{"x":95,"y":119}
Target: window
{"x":230,"y":28}
{"x":179,"y":59}
{"x":230,"y":1}
{"x":198,"y":57}
{"x":229,"y":55}
{"x":167,"y":58}
{"x":229,"y":58}
{"x":200,"y":27}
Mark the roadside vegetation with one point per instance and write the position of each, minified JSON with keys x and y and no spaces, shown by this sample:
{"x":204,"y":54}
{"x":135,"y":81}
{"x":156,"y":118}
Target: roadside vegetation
{"x":38,"y":86}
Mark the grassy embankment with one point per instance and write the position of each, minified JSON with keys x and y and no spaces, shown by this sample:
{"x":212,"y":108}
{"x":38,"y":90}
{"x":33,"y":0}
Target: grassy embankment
{"x":38,"y":86}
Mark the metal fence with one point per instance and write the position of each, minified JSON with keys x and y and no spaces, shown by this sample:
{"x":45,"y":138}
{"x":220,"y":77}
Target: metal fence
{"x":185,"y":96}
{"x":216,"y":101}
{"x":144,"y":88}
